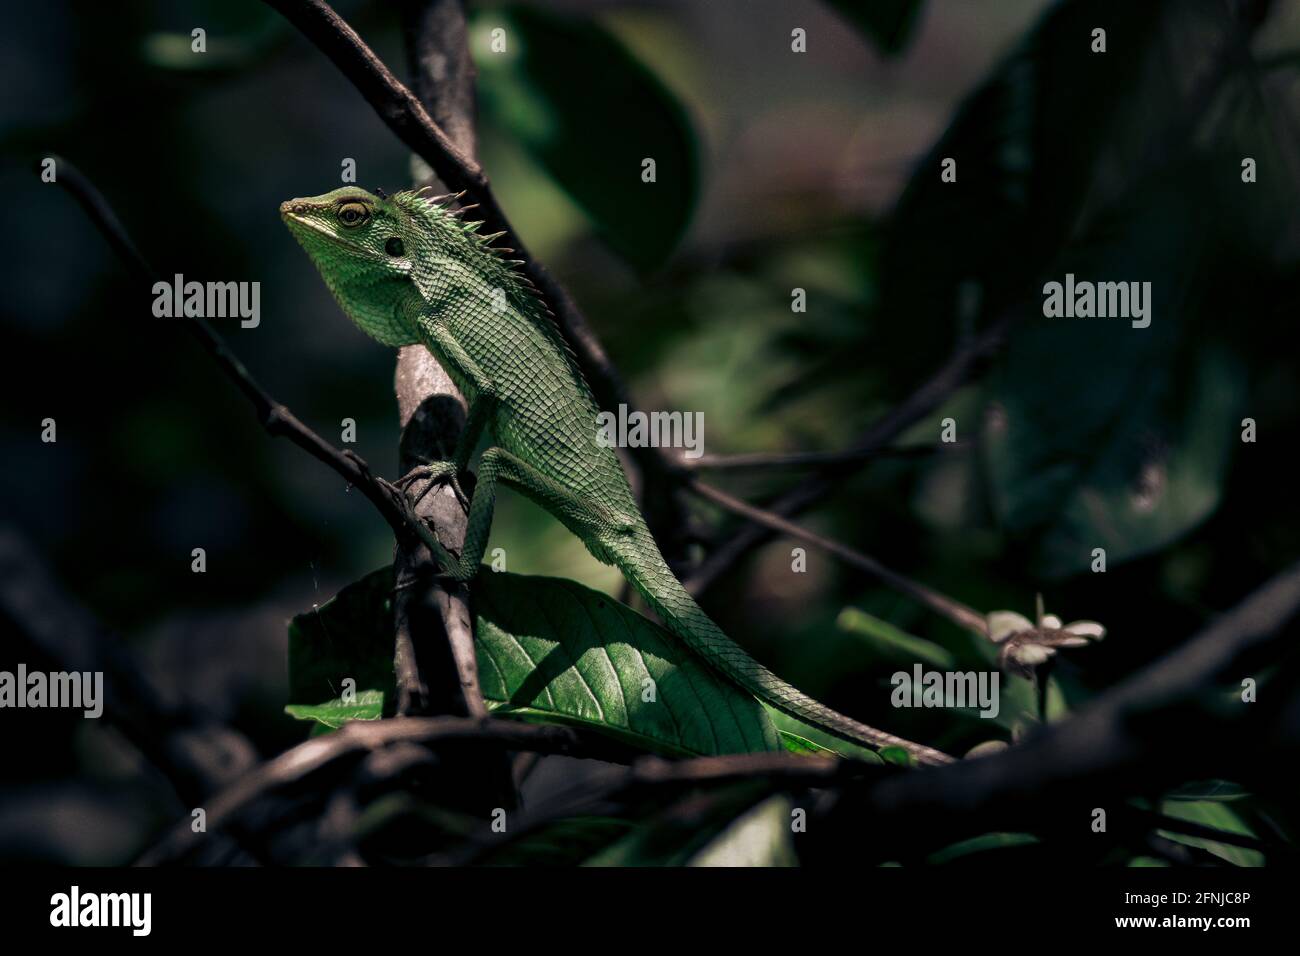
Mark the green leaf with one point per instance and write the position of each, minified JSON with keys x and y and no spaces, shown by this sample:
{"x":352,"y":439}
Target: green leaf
{"x":802,"y":745}
{"x":368,"y":705}
{"x":556,"y":650}
{"x":796,"y":736}
{"x":1138,"y":459}
{"x":590,"y":113}
{"x":1208,"y":790}
{"x":981,"y":844}
{"x":1214,"y":814}
{"x":895,"y":644}
{"x":896,"y":755}
{"x":674,"y":835}
{"x":888,"y":23}
{"x":761,"y":837}
{"x":349,"y":637}
{"x":548,"y":650}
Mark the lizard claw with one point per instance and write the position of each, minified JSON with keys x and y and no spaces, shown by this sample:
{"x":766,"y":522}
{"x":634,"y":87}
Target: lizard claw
{"x":399,"y":497}
{"x":437,"y":473}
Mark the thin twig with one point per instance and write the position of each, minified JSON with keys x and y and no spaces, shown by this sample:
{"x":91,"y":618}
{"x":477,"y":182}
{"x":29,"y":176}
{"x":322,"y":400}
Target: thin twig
{"x":808,"y":459}
{"x":189,"y":747}
{"x":353,"y":740}
{"x":275,"y":417}
{"x":954,"y":372}
{"x":1152,"y":731}
{"x":949,"y":608}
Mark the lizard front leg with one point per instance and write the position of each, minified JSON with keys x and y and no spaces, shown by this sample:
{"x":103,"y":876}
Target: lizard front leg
{"x":580,"y":514}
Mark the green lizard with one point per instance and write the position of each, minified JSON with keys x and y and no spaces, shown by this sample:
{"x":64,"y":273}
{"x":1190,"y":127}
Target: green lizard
{"x":408,"y":270}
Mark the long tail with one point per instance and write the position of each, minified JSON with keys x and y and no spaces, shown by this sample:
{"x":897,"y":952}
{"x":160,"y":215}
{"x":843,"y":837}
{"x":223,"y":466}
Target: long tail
{"x":644,"y":567}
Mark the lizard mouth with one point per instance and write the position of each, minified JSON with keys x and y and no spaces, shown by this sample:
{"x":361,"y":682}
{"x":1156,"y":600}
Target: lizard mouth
{"x":297,"y":216}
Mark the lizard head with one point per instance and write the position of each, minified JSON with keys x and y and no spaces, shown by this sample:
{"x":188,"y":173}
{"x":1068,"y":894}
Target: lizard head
{"x":362,"y":246}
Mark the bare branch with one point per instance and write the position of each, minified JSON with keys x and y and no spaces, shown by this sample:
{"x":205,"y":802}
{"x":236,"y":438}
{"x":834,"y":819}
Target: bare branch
{"x":192,"y":750}
{"x":435,"y":661}
{"x":954,"y":373}
{"x":812,"y":459}
{"x":299,"y":765}
{"x":1163,"y":726}
{"x":949,"y":608}
{"x":276,"y":418}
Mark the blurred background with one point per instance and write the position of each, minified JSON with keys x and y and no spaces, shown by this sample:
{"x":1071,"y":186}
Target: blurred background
{"x":777,"y":170}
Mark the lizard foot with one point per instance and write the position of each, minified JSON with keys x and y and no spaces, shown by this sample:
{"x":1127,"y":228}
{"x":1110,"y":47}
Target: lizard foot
{"x":436,"y":473}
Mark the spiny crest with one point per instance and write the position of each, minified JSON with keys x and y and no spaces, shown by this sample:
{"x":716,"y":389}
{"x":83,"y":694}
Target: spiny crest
{"x":446,"y":223}
{"x":448,"y":226}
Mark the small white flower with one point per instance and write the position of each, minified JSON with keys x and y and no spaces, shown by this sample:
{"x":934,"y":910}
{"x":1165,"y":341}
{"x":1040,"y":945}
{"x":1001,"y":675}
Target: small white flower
{"x":1026,"y":645}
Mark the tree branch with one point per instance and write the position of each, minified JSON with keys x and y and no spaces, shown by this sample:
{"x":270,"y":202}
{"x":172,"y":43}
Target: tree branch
{"x":276,"y":418}
{"x":932,"y":393}
{"x":193,"y":751}
{"x":949,"y":608}
{"x":1162,"y":726}
{"x":1139,"y":737}
{"x":761,"y":460}
{"x":432,"y":412}
{"x":337,"y":751}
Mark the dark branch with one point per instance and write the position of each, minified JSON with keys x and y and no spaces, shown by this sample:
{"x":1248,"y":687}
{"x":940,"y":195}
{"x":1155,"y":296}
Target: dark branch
{"x":811,"y":459}
{"x":1163,"y":726}
{"x":276,"y":418}
{"x":336,"y":752}
{"x":949,"y":608}
{"x":435,"y":661}
{"x":191,"y":749}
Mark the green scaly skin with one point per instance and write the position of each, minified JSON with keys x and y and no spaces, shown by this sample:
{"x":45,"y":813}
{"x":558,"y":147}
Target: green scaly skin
{"x":408,"y":270}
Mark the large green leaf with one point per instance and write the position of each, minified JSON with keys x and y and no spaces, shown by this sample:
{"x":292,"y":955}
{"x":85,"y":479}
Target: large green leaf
{"x":549,"y":650}
{"x":1109,"y":436}
{"x":1026,"y":143}
{"x":554,"y":649}
{"x":590,"y":113}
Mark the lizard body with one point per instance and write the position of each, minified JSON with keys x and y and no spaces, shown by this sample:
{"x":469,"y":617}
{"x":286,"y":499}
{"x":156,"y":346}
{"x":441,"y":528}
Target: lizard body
{"x":408,"y":270}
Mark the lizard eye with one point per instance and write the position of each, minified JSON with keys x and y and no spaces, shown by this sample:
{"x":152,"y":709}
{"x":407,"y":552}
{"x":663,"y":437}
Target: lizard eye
{"x":352,"y":214}
{"x":395,"y":247}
